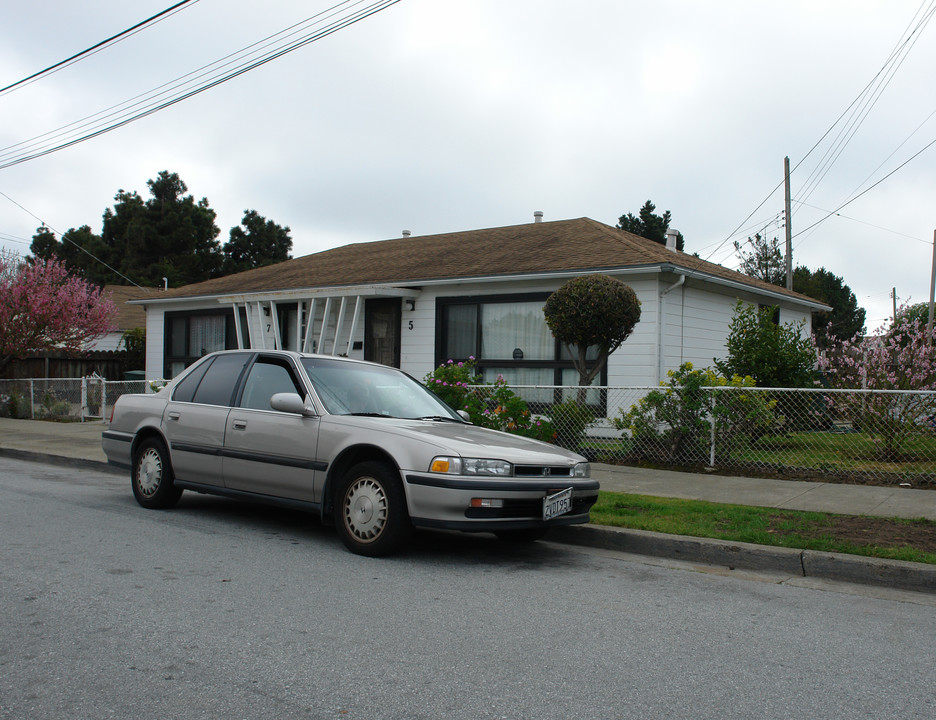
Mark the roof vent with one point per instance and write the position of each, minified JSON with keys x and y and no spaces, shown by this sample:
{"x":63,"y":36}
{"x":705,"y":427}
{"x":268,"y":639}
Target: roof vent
{"x":406,"y":233}
{"x":671,"y":236}
{"x":538,"y":216}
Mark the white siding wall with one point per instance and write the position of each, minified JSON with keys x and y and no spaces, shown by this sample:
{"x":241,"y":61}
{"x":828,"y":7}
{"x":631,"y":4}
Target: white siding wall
{"x":696,"y":323}
{"x":155,"y":342}
{"x":417,"y":335}
{"x":635,"y":361}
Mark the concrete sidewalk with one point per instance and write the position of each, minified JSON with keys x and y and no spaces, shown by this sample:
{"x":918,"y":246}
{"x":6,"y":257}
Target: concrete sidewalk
{"x":81,"y":443}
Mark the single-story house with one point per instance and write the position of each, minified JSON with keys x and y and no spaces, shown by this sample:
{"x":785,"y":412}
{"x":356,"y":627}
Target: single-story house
{"x":416,"y":302}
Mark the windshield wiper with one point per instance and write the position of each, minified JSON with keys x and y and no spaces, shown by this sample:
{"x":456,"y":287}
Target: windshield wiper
{"x":369,"y":414}
{"x":441,"y":418}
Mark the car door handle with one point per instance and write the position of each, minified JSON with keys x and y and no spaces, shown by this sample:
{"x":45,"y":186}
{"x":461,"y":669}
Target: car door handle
{"x":239,"y":424}
{"x":174,"y":416}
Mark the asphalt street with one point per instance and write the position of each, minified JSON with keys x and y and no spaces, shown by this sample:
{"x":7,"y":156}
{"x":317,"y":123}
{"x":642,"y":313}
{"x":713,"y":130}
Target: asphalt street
{"x":79,"y":444}
{"x":226,"y":609}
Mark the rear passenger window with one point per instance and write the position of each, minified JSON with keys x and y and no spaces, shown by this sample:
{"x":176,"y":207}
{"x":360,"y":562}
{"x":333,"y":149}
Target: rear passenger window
{"x":217,"y":385}
{"x":185,"y":390}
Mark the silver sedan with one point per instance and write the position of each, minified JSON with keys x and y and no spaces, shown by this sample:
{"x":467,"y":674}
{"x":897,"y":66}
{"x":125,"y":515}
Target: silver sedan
{"x":362,"y":445}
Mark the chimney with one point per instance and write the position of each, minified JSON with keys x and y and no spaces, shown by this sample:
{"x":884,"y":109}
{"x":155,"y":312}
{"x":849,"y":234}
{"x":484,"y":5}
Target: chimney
{"x":671,"y":236}
{"x":406,"y":233}
{"x":538,"y":216}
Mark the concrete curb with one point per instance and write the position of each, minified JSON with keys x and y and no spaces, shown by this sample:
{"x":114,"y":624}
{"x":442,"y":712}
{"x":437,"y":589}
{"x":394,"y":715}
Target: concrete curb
{"x":897,"y":574}
{"x":60,"y":460}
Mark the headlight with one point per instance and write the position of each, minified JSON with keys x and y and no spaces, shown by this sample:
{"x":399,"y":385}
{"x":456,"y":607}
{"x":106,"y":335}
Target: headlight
{"x":470,"y":466}
{"x":582,"y":470}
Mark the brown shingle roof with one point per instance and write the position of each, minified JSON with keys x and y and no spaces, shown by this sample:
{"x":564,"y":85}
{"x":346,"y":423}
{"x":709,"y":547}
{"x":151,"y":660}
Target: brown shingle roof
{"x":582,"y":244}
{"x":129,"y":316}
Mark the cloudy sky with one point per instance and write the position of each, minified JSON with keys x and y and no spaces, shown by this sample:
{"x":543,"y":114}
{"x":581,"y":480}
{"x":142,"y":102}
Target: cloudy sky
{"x":436,"y":116}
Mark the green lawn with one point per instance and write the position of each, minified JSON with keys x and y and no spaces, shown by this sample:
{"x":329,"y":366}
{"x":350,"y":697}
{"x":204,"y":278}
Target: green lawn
{"x":892,"y":538}
{"x":825,"y":452}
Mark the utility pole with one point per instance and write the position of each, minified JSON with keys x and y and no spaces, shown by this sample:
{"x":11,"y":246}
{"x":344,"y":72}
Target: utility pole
{"x":929,"y":324}
{"x":894,"y":298}
{"x":789,"y":230}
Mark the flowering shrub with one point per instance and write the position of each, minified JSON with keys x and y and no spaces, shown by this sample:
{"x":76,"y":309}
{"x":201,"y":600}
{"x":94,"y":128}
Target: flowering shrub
{"x":899,"y":357}
{"x":498,"y":408}
{"x":674,"y":424}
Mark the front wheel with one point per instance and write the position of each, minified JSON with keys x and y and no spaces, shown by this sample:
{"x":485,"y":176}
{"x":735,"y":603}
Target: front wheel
{"x":152,"y":477}
{"x":370,"y":510}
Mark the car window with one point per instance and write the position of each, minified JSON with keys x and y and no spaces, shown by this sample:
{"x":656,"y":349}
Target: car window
{"x":217,"y":386}
{"x":266,"y":378}
{"x":185,"y":389}
{"x":348,"y":388}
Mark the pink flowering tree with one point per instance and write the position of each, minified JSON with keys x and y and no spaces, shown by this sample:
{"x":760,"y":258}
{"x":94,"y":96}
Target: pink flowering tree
{"x":43,"y":307}
{"x":896,"y":358}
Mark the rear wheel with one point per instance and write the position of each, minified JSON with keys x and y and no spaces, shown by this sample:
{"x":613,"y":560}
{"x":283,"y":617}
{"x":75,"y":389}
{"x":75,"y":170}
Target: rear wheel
{"x":152,"y":477}
{"x":370,"y":510}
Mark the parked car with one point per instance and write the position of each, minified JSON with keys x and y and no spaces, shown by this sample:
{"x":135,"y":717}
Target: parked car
{"x":363,"y":446}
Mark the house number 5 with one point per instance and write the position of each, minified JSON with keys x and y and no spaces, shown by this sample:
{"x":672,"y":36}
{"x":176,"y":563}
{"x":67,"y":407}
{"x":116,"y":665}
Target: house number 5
{"x":410,"y":324}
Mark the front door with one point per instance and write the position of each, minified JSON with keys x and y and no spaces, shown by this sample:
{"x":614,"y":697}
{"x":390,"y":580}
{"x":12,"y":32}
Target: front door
{"x":382,"y":319}
{"x":267,"y":451}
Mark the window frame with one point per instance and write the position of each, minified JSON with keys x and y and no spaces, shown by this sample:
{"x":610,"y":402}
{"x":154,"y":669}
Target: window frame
{"x":557,"y":364}
{"x":189,"y":357}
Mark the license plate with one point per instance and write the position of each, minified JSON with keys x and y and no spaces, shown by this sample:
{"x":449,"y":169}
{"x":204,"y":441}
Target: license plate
{"x":558,"y":504}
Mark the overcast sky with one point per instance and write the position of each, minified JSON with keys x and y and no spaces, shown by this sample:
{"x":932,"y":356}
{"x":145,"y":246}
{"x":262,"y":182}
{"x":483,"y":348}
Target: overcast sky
{"x":439,"y":116}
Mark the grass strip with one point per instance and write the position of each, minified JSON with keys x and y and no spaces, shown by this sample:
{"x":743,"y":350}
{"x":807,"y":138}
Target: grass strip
{"x":891,"y":538}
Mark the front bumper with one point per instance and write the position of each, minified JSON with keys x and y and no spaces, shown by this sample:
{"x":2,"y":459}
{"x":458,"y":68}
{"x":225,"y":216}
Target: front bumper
{"x":445,"y":501}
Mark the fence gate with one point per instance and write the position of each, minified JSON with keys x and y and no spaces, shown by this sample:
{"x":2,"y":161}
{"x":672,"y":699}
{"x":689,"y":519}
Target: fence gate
{"x":93,"y":397}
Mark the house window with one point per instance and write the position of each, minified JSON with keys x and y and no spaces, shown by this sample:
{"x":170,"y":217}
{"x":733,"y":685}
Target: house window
{"x":191,"y":335}
{"x":508,"y":336}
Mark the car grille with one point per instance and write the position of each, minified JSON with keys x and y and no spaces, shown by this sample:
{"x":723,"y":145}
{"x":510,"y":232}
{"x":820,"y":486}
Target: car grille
{"x":543,"y":471}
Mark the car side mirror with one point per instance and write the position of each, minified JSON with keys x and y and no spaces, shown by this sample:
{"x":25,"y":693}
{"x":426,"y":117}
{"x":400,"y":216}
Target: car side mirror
{"x":463,"y":415}
{"x":292,"y":403}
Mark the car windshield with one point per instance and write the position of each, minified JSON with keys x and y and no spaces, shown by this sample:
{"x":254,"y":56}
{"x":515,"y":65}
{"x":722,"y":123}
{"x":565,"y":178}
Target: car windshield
{"x":349,"y":388}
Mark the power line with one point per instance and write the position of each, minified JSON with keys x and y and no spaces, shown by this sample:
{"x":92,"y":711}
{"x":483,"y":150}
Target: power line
{"x":901,"y":47}
{"x":97,"y":47}
{"x":249,"y":58}
{"x":877,"y":227}
{"x":869,"y":188}
{"x":65,"y":239}
{"x":871,"y":94}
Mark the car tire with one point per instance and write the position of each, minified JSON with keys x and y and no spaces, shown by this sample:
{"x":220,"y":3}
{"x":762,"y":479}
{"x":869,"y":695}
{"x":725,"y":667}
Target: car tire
{"x":370,"y":510}
{"x":524,"y":535}
{"x":152,"y":478}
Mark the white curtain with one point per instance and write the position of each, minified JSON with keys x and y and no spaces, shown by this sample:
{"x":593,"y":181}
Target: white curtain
{"x":506,"y":327}
{"x":462,"y":332}
{"x":206,"y":334}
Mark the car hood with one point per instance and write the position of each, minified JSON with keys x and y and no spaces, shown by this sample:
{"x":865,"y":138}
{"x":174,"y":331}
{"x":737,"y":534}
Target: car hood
{"x":466,"y":440}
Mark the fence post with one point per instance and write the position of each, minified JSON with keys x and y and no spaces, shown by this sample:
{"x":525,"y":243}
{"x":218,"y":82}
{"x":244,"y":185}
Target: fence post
{"x":103,"y":399}
{"x":712,"y":438}
{"x":84,"y":398}
{"x":32,"y":400}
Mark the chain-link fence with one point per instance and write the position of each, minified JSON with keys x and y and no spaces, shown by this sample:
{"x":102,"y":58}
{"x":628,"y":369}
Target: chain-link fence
{"x":841,"y":435}
{"x":844,"y":435}
{"x":68,"y":399}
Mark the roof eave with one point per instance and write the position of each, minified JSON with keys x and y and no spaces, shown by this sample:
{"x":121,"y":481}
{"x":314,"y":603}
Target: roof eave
{"x":779,"y":294}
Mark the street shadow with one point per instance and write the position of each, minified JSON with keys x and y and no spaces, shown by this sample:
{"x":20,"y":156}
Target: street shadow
{"x":425,"y":546}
